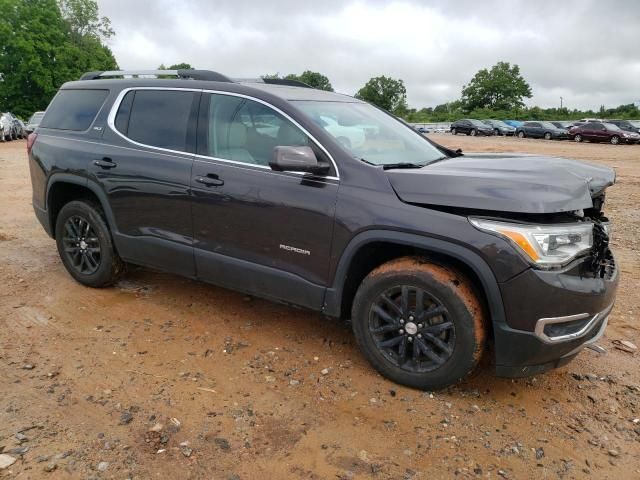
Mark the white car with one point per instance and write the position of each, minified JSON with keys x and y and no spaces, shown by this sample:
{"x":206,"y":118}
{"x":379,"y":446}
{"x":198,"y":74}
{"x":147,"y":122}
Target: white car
{"x":350,"y":137}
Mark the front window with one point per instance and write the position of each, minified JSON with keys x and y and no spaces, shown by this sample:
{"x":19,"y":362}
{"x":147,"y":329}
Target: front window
{"x":370,"y":134}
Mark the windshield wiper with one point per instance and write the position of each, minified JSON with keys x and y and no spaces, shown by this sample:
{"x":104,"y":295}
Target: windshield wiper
{"x":388,"y":166}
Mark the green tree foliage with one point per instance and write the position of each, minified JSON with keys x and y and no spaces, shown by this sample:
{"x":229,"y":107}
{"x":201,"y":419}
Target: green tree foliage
{"x":499,"y":88}
{"x":313,"y":79}
{"x":387,"y":93}
{"x":41,"y":48}
{"x":84,"y":20}
{"x":176,"y":66}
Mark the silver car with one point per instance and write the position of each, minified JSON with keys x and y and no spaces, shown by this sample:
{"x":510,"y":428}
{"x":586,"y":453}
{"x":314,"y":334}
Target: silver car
{"x":7,"y":128}
{"x":33,"y":122}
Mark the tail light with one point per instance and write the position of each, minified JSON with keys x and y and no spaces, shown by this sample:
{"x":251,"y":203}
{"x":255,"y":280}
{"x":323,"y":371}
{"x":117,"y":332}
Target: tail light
{"x":31,"y":139}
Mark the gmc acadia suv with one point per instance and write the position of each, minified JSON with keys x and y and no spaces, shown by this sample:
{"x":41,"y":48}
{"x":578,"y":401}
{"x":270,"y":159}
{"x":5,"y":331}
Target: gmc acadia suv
{"x":323,"y":201}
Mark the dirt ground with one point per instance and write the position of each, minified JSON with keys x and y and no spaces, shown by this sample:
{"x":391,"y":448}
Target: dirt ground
{"x":166,"y":377}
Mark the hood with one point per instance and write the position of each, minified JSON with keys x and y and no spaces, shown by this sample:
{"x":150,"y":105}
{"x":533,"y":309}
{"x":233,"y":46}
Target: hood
{"x":504,"y":182}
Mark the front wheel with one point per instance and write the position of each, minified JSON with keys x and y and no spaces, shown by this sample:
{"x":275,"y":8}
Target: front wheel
{"x":547,"y":136}
{"x":520,"y":134}
{"x":473,"y":132}
{"x":418,"y":323}
{"x":615,"y":140}
{"x":85,"y":245}
{"x":578,"y":138}
{"x":454,"y":131}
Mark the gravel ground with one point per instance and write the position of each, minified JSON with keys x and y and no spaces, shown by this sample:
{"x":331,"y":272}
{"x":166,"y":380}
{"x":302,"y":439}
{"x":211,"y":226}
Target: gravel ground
{"x":161,"y":376}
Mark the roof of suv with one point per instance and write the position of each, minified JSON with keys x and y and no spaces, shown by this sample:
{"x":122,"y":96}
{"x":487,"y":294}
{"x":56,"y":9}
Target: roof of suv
{"x":285,"y":92}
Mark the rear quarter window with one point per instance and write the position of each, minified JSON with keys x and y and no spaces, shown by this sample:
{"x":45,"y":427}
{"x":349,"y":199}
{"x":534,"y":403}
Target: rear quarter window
{"x":74,"y":109}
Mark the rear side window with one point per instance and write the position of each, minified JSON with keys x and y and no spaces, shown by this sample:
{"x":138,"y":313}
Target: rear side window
{"x":74,"y":109}
{"x":159,"y":118}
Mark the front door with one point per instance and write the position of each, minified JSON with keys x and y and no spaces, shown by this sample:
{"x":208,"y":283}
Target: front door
{"x":256,"y":230}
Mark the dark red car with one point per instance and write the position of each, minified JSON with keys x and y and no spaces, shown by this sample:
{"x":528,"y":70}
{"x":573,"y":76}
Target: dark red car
{"x":603,"y":132}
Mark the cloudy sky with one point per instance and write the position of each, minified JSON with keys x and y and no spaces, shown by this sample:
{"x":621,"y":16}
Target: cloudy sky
{"x":586,"y":51}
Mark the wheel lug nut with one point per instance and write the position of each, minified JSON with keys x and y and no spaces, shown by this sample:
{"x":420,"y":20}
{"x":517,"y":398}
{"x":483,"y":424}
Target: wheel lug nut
{"x":410,"y":339}
{"x":419,"y":335}
{"x":419,"y":325}
{"x":401,"y":331}
{"x":401,"y":321}
{"x":411,"y":318}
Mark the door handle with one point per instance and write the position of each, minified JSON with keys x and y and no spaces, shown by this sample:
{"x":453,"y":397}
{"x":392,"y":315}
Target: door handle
{"x":105,"y":163}
{"x":211,"y":180}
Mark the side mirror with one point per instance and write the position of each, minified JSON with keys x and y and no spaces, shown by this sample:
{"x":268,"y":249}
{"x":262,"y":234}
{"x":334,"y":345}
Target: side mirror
{"x":296,"y":159}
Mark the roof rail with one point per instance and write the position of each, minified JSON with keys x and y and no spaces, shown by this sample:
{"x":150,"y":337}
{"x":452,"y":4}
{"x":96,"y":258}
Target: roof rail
{"x":192,"y":74}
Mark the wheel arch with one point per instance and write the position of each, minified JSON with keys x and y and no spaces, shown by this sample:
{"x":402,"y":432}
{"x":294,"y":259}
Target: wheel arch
{"x":370,"y":249}
{"x":63,"y":188}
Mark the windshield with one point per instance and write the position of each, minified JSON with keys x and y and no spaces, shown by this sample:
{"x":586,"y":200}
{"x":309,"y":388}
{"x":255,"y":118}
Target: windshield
{"x":499,"y":123}
{"x":36,"y":117}
{"x":370,"y":134}
{"x":635,"y":123}
{"x":611,"y":126}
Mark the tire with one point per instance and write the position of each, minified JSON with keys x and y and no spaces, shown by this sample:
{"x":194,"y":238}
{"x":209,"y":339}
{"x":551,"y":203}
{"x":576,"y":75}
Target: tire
{"x":521,"y":134}
{"x":547,"y":136}
{"x":577,"y":138}
{"x":458,"y":325}
{"x":496,"y":132}
{"x":454,"y":131}
{"x":473,"y":132}
{"x":99,"y":268}
{"x":615,"y":140}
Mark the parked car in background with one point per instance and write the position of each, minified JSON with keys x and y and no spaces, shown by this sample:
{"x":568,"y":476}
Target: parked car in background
{"x":33,"y":122}
{"x":500,"y":128}
{"x":546,"y":130}
{"x":422,"y":130}
{"x":627,"y":125}
{"x":7,"y":127}
{"x":471,"y":127}
{"x":19,"y":128}
{"x":513,"y":123}
{"x":603,"y":132}
{"x":564,"y":124}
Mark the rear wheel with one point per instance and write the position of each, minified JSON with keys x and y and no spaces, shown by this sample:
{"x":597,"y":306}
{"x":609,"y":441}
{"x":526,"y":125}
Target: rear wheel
{"x":454,"y":131}
{"x":547,"y":136}
{"x":521,"y":134}
{"x":419,"y":324}
{"x":85,"y":245}
{"x":496,"y":131}
{"x":473,"y":132}
{"x":578,"y":138}
{"x":615,"y":140}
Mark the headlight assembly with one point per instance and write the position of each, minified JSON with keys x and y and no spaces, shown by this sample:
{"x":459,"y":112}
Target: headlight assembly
{"x":545,"y":246}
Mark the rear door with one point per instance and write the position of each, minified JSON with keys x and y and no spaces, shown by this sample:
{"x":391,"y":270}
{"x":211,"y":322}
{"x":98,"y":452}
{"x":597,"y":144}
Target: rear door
{"x":144,"y":168}
{"x":256,"y":230}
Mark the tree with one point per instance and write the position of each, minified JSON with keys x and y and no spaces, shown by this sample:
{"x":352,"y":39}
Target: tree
{"x":177,"y":66}
{"x":313,"y":79}
{"x":40,"y":50}
{"x":84,"y":20}
{"x":500,"y":88}
{"x":385,"y":92}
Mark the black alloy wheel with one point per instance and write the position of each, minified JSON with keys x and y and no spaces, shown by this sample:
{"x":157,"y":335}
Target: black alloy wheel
{"x":412,"y":329}
{"x":81,"y":245}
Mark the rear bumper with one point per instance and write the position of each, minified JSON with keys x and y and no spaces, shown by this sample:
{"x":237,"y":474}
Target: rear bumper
{"x":43,"y":217}
{"x":551,"y":316}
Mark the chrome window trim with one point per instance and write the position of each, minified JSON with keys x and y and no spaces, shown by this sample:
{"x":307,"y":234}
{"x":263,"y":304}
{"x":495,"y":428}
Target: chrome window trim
{"x":541,"y":323}
{"x":116,"y":105}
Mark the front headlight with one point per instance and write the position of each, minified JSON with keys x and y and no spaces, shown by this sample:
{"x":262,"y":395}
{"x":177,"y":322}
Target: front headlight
{"x":543,"y":245}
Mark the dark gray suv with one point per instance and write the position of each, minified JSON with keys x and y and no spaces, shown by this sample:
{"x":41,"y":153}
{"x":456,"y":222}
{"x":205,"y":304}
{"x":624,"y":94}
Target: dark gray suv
{"x":323,"y":201}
